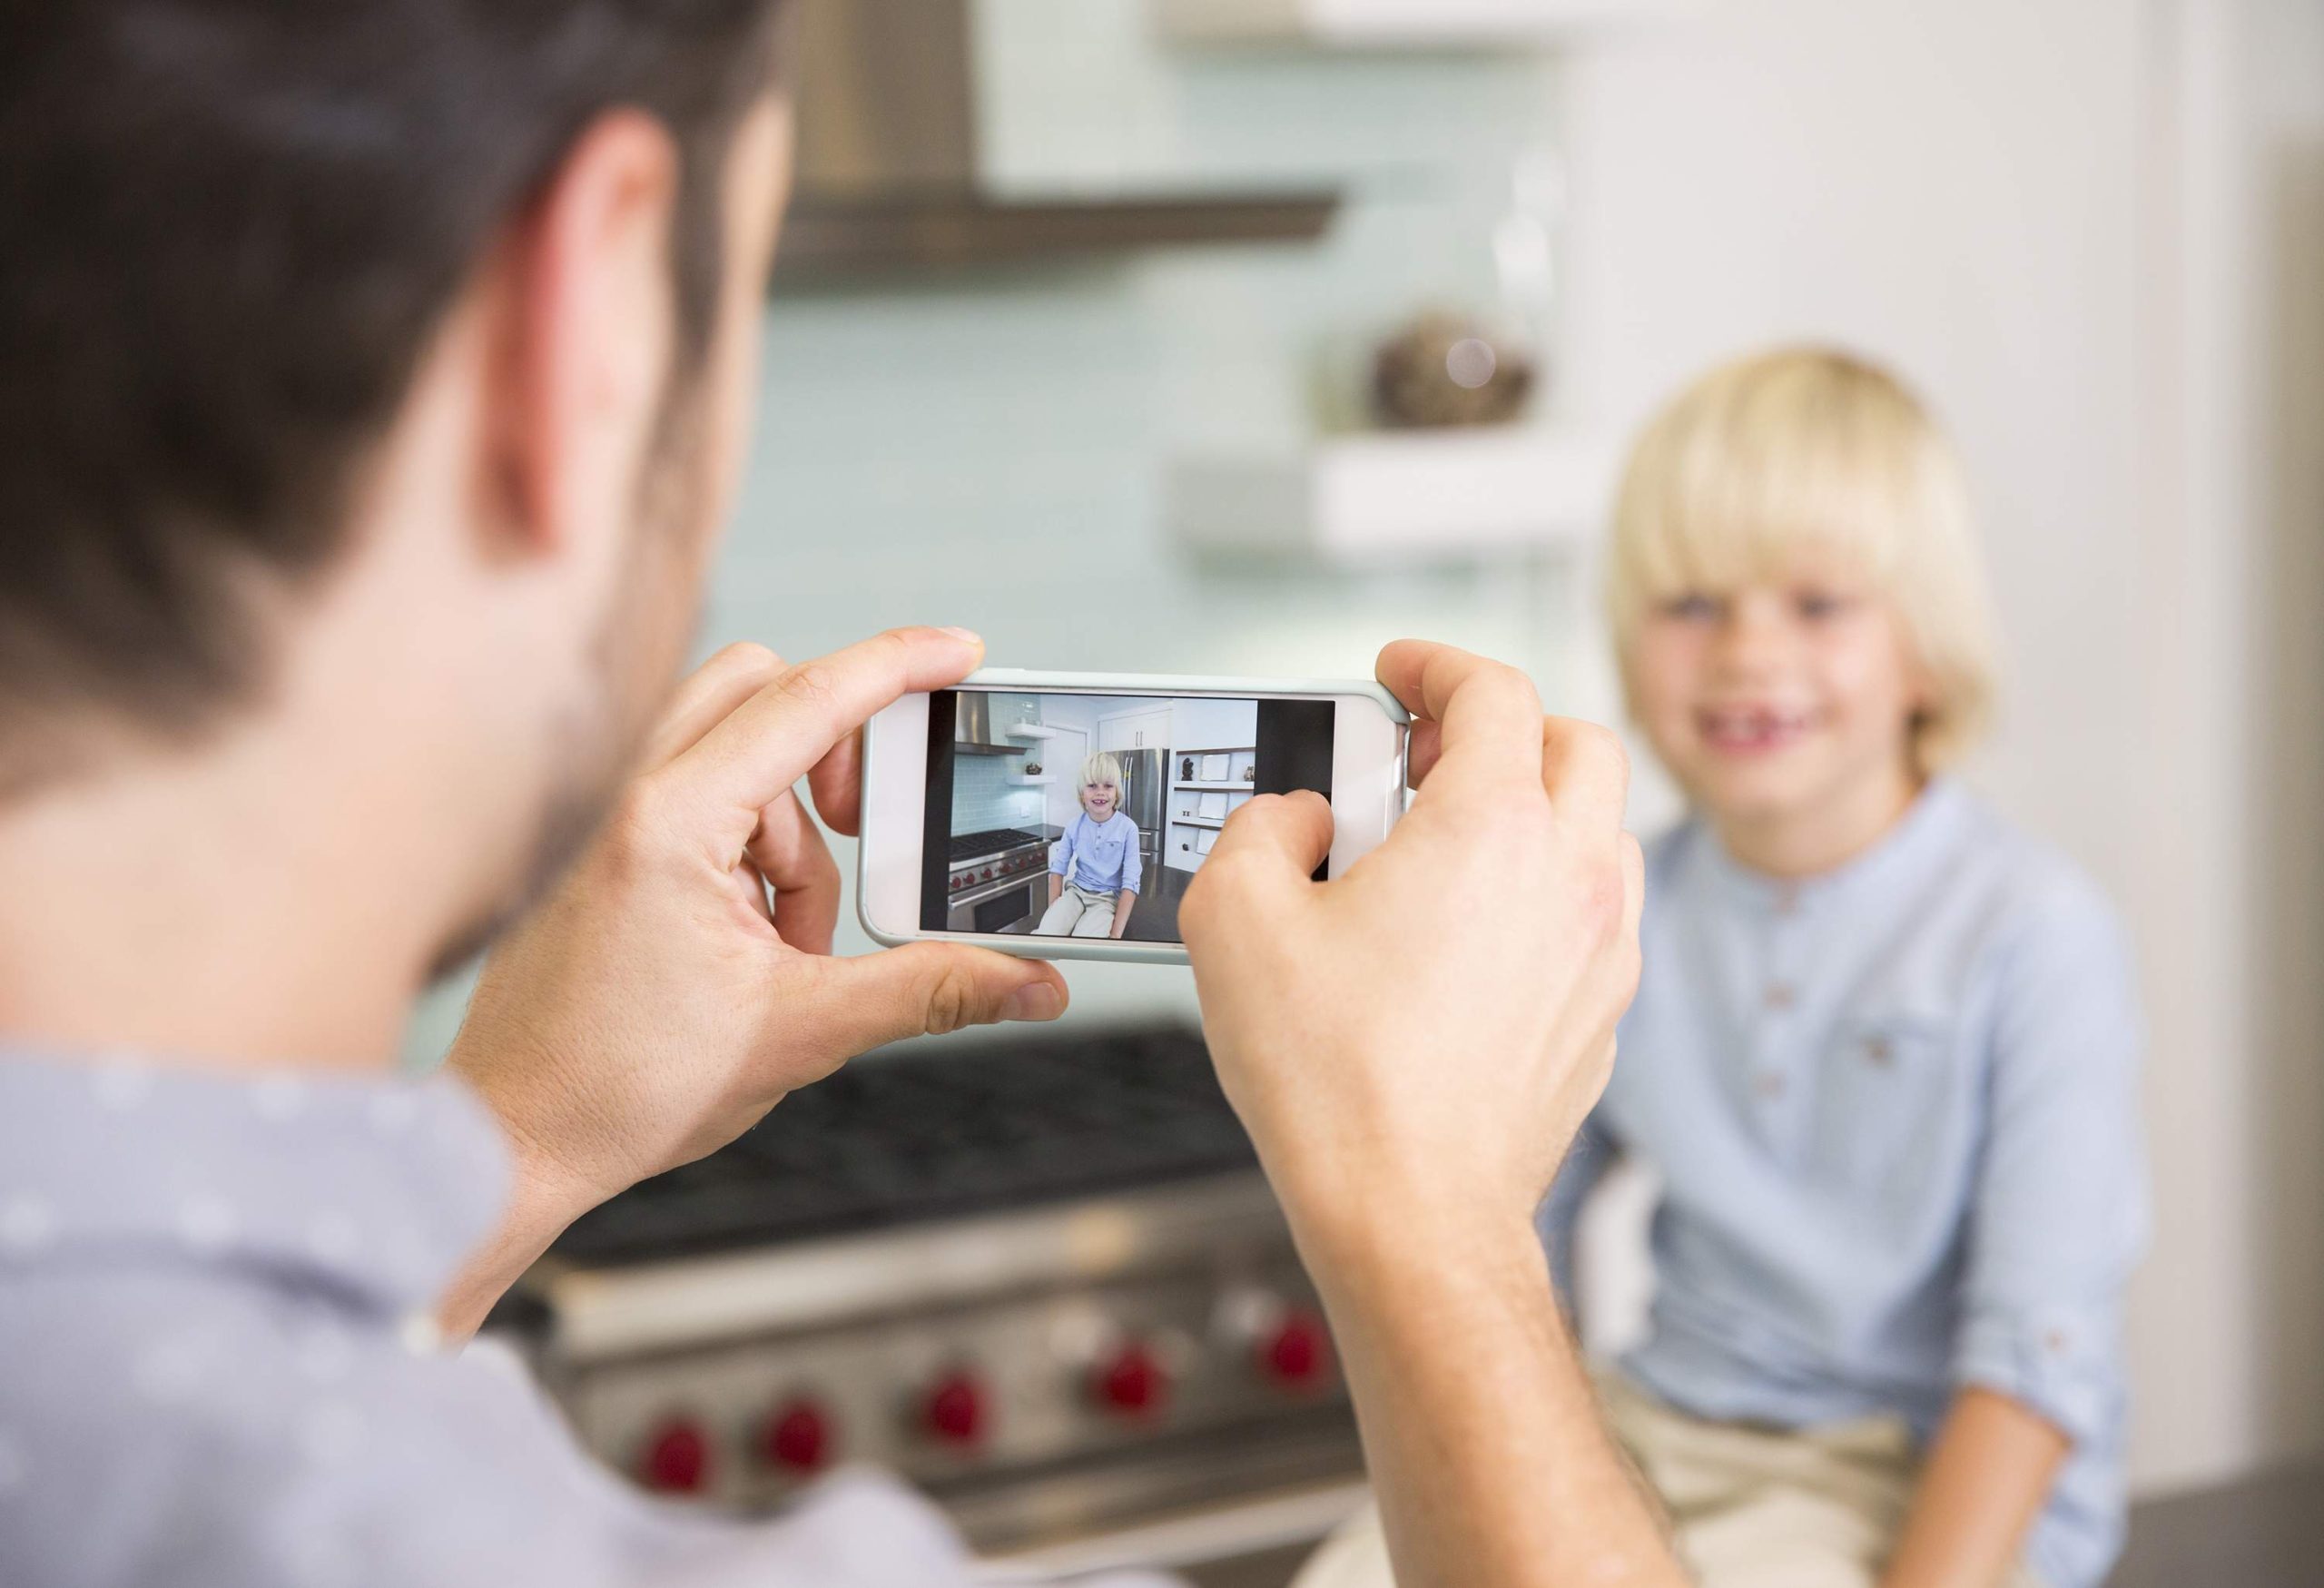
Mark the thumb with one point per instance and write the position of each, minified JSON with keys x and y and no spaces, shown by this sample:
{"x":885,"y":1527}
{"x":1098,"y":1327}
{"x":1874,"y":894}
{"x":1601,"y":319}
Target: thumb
{"x":931,"y":988}
{"x":1294,"y":828}
{"x":1273,"y":843}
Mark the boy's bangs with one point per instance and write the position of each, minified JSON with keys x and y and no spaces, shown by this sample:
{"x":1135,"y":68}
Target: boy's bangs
{"x":1730,"y":515}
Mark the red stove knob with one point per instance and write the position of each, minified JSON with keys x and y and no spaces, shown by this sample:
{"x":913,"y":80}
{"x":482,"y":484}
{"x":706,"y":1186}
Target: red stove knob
{"x":796,"y":1436}
{"x":1298,"y":1354}
{"x":955,"y":1410}
{"x":959,"y":883}
{"x":1134,"y":1382}
{"x":985,"y":875}
{"x":676,"y":1459}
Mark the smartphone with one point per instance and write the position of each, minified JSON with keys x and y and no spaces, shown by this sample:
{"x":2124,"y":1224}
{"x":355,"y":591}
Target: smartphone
{"x":1062,"y":815}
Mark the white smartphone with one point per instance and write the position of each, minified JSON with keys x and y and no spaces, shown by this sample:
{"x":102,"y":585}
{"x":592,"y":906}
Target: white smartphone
{"x":1062,"y":815}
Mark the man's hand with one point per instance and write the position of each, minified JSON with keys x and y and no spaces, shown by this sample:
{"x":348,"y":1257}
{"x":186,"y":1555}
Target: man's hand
{"x":1412,"y":1047}
{"x":1437,"y":1023}
{"x":659,"y":1003}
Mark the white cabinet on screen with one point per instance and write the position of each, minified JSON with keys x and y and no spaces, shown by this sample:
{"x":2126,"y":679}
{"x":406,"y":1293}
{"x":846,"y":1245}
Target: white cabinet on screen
{"x":1144,"y":730}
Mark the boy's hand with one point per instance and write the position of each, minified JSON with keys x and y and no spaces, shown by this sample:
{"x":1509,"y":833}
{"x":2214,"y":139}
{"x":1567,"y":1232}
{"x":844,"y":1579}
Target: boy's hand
{"x":656,"y":1006}
{"x":1430,"y":1029}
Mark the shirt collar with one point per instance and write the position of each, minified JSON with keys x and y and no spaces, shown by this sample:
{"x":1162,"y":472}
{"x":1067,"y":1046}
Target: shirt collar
{"x":1923,"y":834}
{"x":377,"y":1186}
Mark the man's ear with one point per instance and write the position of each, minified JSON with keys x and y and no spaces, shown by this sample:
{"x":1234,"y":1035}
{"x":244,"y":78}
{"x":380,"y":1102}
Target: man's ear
{"x":584,"y":336}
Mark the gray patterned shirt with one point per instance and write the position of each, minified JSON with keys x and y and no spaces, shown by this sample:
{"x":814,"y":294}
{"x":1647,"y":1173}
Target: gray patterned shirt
{"x":218,"y":1364}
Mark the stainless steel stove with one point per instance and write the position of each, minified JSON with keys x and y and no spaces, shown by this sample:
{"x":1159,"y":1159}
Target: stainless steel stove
{"x":998,"y":881}
{"x":1040,"y":1278}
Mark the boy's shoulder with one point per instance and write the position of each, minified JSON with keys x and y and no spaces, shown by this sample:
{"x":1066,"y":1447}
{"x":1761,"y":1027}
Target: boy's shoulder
{"x":1981,"y":866}
{"x":2023,"y":884}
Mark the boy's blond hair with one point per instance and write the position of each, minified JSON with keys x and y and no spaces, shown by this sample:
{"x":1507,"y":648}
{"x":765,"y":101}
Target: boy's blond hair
{"x":1100,"y":767}
{"x":1809,"y":450}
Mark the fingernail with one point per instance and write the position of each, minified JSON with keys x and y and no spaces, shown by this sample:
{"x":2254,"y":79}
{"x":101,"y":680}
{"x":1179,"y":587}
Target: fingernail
{"x":966,"y":636}
{"x":1034,"y":1001}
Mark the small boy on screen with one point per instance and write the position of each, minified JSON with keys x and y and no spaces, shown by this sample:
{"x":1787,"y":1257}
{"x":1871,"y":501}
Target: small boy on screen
{"x":1884,"y":1049}
{"x":1094,"y":867}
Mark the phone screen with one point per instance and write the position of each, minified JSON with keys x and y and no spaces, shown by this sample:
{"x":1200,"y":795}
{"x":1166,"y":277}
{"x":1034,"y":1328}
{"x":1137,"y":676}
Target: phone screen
{"x":1059,"y":814}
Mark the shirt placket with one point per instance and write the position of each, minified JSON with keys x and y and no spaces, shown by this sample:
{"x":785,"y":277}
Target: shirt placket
{"x":1776,"y":1086}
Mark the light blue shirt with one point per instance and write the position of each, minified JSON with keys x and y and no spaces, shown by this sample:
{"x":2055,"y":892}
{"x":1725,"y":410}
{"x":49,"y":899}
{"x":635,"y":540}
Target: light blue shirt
{"x":1101,"y":856}
{"x":1896,"y":1112}
{"x":218,"y":1367}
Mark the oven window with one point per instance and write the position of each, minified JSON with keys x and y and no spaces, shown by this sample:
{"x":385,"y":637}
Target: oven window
{"x":1006,"y":910}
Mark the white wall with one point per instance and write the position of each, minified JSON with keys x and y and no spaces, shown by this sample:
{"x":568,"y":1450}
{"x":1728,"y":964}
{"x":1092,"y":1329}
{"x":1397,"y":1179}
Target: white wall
{"x":1208,"y":725}
{"x":2070,"y":222}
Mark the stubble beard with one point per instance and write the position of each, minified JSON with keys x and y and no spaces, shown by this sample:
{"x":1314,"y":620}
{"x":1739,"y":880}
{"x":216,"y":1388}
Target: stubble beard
{"x":635,"y":654}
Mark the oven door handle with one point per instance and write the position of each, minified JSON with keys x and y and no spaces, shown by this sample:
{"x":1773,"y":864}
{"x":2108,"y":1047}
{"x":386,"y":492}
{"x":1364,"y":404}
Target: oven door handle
{"x":994,"y":890}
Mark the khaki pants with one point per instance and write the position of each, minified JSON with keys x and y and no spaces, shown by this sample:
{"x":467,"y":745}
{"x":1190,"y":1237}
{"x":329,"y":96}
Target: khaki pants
{"x":1748,"y":1507}
{"x":1078,"y":913}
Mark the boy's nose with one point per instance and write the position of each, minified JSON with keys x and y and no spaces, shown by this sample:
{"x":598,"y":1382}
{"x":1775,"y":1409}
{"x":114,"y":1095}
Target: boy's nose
{"x":1754,"y":636}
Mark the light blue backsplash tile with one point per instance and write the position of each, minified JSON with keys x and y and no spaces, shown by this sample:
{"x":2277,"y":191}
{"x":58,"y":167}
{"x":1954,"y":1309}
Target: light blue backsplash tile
{"x":984,"y":798}
{"x":989,"y":451}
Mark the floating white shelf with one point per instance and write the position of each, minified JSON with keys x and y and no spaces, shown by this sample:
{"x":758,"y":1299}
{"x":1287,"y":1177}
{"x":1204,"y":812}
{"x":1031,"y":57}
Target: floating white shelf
{"x":1404,"y":494}
{"x":1021,"y":780}
{"x":1244,"y":786}
{"x":1028,"y":731}
{"x":1195,"y":822}
{"x":1399,"y":23}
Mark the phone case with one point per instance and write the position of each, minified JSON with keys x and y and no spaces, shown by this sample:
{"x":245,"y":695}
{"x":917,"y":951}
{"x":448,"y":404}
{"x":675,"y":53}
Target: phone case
{"x":1066,"y":948}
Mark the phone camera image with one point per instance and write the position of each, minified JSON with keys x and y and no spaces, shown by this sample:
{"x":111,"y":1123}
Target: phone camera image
{"x":1060,"y":814}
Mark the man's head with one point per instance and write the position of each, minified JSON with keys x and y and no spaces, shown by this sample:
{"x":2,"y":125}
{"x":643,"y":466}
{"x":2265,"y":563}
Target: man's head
{"x":393,"y":348}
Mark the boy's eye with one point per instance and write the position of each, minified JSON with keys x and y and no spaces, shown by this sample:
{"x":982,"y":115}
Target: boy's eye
{"x":1691,"y":607}
{"x":1816,"y":606}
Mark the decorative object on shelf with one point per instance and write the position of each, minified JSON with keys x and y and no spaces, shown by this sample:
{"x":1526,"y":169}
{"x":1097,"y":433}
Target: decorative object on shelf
{"x":1246,"y":769}
{"x":1449,"y":370}
{"x":1186,"y":769}
{"x":1034,"y":770}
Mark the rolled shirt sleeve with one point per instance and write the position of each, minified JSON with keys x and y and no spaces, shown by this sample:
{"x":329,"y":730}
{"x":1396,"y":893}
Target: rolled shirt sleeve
{"x":2059,"y":1213}
{"x":1061,"y":852}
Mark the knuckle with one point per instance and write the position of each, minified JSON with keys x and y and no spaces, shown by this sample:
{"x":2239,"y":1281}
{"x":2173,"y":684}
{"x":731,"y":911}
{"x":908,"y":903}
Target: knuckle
{"x":749,"y":656}
{"x":1596,"y":741}
{"x":951,"y":999}
{"x":813,"y":684}
{"x":895,"y":647}
{"x":1509,"y":681}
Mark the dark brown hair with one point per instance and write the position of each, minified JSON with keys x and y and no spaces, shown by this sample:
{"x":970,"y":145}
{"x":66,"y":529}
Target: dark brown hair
{"x":228,"y":227}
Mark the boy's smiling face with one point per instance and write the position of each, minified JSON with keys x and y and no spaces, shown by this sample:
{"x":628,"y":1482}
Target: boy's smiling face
{"x":1099,"y":799}
{"x":1785,"y":700}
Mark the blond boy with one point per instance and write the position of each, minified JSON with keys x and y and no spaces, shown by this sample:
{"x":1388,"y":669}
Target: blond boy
{"x":1095,"y":867}
{"x":1885,"y":1051}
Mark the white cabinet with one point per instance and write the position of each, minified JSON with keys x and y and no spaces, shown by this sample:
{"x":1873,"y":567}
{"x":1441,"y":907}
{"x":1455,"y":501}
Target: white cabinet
{"x":1145,"y":730}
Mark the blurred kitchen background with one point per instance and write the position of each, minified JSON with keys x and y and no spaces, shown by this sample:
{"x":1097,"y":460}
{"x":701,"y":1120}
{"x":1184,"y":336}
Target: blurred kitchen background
{"x":1239,"y":336}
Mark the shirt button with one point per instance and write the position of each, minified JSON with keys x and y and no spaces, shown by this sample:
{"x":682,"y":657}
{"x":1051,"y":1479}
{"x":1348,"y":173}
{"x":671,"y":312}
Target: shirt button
{"x":1786,"y":899}
{"x":1768,"y":1084}
{"x":2055,"y":1341}
{"x":1879,"y":1051}
{"x":1780,"y":995}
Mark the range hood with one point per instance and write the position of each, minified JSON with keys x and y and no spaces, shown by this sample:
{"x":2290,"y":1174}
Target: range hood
{"x":888,"y":172}
{"x":972,"y":726}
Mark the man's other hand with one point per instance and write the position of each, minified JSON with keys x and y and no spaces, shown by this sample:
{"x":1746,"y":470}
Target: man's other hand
{"x":1425,"y":1034}
{"x":680,"y":980}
